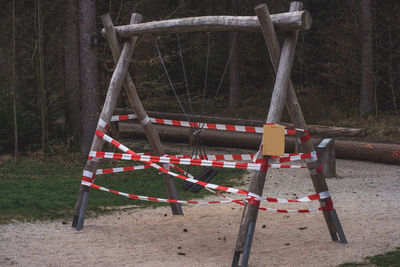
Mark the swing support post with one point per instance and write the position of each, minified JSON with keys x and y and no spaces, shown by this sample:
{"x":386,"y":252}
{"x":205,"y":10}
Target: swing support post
{"x":283,"y":93}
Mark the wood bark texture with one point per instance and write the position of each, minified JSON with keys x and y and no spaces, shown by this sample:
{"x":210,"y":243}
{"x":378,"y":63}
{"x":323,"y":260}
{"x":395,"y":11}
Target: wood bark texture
{"x":136,"y":104}
{"x":299,"y":20}
{"x":71,"y":59}
{"x":42,"y":89}
{"x":294,"y":108}
{"x":89,"y":73}
{"x":277,"y":104}
{"x":234,"y":71}
{"x":110,"y":102}
{"x":367,"y":99}
{"x":13,"y":89}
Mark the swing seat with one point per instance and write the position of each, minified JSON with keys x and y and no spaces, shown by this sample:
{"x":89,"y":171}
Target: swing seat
{"x":205,"y":176}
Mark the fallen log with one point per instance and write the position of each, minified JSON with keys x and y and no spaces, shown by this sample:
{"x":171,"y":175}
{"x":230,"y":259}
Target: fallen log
{"x":376,"y":152}
{"x":325,"y":131}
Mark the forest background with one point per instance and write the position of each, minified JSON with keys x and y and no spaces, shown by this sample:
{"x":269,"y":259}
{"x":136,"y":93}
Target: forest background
{"x":56,"y":66}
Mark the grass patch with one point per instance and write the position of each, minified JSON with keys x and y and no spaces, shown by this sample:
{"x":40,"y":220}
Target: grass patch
{"x":47,"y":190}
{"x":388,"y":259}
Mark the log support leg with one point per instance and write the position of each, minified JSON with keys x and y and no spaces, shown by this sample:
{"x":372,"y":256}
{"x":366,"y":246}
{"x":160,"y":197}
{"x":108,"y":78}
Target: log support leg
{"x":109,"y":105}
{"x":283,"y":93}
{"x":284,"y":65}
{"x":136,"y":104}
{"x":248,"y":222}
{"x":293,"y":106}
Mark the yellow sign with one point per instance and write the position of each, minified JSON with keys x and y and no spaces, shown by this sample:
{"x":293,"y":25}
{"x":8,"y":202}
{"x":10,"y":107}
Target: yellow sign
{"x":273,"y":140}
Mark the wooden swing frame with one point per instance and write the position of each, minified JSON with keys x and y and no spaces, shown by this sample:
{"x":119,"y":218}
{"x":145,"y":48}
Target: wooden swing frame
{"x":283,"y":94}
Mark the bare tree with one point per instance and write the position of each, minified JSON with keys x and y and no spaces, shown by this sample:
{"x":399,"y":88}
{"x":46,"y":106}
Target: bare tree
{"x":234,"y":74}
{"x":72,"y":80}
{"x":41,"y":75}
{"x":367,"y":99}
{"x":14,"y":92}
{"x":89,"y":72}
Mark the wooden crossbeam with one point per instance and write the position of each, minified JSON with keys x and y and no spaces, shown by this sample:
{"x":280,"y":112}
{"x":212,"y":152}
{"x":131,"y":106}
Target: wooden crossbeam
{"x":290,"y":21}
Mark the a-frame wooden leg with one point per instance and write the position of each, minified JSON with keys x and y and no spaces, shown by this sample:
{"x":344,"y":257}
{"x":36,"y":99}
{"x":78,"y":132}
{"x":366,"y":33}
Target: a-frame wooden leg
{"x":297,"y":117}
{"x":248,"y":222}
{"x":274,"y":116}
{"x":136,"y":104}
{"x":105,"y":116}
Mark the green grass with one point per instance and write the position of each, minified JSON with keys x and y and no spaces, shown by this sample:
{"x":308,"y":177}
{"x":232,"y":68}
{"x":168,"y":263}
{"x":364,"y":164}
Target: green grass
{"x":391,"y":258}
{"x":35,"y":190}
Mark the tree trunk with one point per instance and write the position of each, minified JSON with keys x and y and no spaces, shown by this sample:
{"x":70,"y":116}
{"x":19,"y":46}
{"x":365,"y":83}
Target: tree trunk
{"x":42,"y":89}
{"x":72,"y":81}
{"x":234,"y":73}
{"x":89,"y":73}
{"x":14,"y":92}
{"x":367,"y":83}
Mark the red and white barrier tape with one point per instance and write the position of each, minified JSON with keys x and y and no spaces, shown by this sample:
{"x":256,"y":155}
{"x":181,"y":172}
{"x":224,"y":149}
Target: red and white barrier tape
{"x":136,"y":168}
{"x":192,"y":180}
{"x":288,"y":211}
{"x":182,"y":161}
{"x":318,"y":196}
{"x":190,"y":161}
{"x":287,"y":157}
{"x":156,"y":199}
{"x":96,"y":159}
{"x":123,"y":117}
{"x":243,"y":157}
{"x":205,"y":125}
{"x":293,"y":157}
{"x":122,"y":169}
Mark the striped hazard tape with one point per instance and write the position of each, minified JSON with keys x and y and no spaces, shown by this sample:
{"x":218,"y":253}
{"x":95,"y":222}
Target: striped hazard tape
{"x":287,"y":157}
{"x":122,"y":169}
{"x":319,"y":196}
{"x":198,"y":162}
{"x":89,"y":178}
{"x":163,"y":200}
{"x":182,"y":161}
{"x":156,"y":199}
{"x":243,"y":157}
{"x":136,"y":168}
{"x":293,"y":157}
{"x":123,"y":148}
{"x":289,"y":211}
{"x":205,"y":125}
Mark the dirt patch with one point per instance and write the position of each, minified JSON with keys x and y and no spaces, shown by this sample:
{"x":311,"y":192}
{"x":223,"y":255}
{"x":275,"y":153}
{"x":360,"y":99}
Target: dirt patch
{"x":366,"y":196}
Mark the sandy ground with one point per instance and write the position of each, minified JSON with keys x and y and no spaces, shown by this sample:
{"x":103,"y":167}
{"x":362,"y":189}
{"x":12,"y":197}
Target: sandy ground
{"x":366,"y":196}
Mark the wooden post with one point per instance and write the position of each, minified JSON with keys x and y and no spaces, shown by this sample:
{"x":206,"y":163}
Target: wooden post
{"x":277,"y":104}
{"x":108,"y":108}
{"x":326,"y":154}
{"x":136,"y":104}
{"x":295,"y":112}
